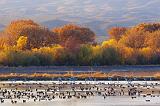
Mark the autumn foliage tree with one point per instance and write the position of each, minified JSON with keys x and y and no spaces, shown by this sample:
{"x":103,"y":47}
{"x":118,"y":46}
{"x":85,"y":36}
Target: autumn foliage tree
{"x":6,"y":40}
{"x":141,"y":35}
{"x":153,"y":40}
{"x":117,"y":32}
{"x":26,"y":43}
{"x":73,"y":33}
{"x":143,"y":39}
{"x":3,"y":40}
{"x":146,"y":27}
{"x":21,"y":42}
{"x":37,"y":35}
{"x":134,"y":39}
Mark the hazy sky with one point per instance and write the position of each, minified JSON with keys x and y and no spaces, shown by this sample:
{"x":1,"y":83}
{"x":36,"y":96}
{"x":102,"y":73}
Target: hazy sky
{"x":78,"y":10}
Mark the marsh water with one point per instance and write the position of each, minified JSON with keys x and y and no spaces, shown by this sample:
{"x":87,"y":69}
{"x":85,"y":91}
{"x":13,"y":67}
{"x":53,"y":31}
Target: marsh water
{"x":57,"y":69}
{"x":90,"y":101}
{"x":93,"y":100}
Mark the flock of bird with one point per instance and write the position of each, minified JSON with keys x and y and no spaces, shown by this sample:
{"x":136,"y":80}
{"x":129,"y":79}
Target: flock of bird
{"x":37,"y":92}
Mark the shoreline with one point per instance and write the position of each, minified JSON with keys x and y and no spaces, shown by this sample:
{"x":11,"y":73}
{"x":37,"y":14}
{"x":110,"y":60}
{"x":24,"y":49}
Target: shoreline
{"x":81,"y":82}
{"x":140,"y":72}
{"x":21,"y":69}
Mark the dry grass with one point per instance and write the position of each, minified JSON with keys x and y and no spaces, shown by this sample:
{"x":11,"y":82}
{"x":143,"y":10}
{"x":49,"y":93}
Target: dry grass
{"x":82,"y":75}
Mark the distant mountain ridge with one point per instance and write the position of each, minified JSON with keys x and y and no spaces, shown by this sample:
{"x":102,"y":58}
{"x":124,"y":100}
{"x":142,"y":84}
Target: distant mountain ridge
{"x":54,"y":23}
{"x":99,"y":27}
{"x":95,"y":25}
{"x":1,"y":27}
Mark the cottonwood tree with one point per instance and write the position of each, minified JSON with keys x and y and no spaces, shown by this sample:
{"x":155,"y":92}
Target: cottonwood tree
{"x":37,"y":35}
{"x":21,"y":43}
{"x":117,"y":32}
{"x":71,"y":33}
{"x":146,"y":27}
{"x":134,"y":40}
{"x":153,"y":40}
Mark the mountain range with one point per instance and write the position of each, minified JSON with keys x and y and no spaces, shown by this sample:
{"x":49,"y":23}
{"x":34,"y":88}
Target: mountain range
{"x":99,"y":15}
{"x":1,"y":26}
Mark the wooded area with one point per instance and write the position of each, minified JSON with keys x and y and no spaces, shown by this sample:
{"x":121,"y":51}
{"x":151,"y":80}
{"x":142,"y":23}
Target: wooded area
{"x":26,"y":43}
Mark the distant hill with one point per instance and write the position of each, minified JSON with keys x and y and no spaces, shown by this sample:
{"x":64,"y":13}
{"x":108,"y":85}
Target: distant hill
{"x":54,"y":23}
{"x":99,"y":27}
{"x":96,"y":26}
{"x":1,"y":27}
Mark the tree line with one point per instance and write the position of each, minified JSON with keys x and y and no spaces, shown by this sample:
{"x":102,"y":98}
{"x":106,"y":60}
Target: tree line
{"x":27,"y":43}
